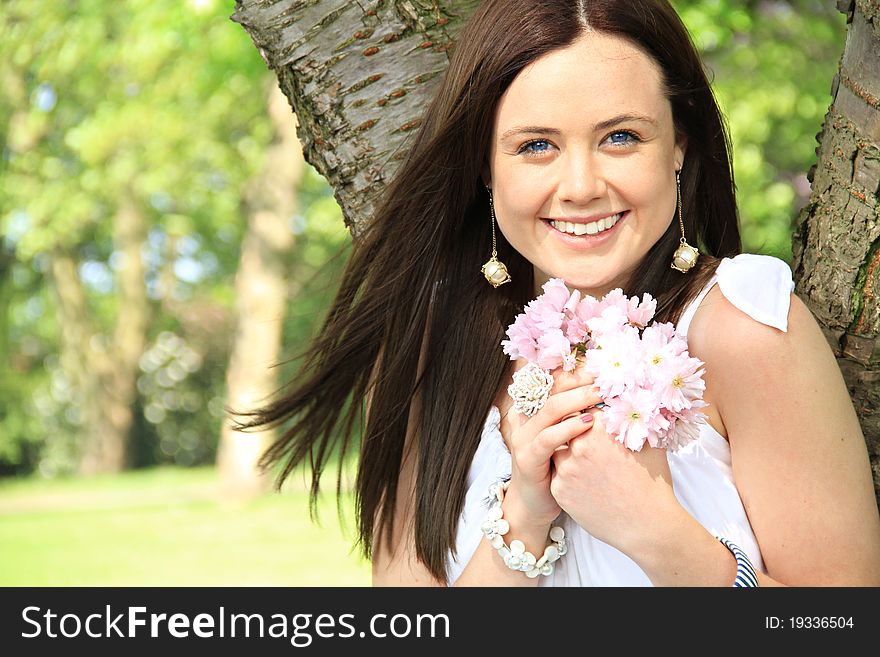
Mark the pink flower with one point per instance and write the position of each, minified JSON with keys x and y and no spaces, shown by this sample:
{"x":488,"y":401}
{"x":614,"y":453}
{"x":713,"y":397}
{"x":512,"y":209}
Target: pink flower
{"x":660,"y":346}
{"x":651,"y":386}
{"x":633,"y":418}
{"x":684,"y":426}
{"x":615,"y":299}
{"x":584,"y":310}
{"x":616,"y":363}
{"x":522,"y":339}
{"x":545,"y":317}
{"x":547,"y":310}
{"x":662,"y":335}
{"x":587,"y":308}
{"x":572,"y":303}
{"x":679,"y":382}
{"x":641,"y":313}
{"x":576,"y":331}
{"x":553,"y":347}
{"x":541,"y":316}
{"x":611,"y":320}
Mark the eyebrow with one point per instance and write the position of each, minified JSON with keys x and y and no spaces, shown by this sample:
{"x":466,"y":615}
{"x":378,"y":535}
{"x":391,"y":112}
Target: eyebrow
{"x":602,"y":125}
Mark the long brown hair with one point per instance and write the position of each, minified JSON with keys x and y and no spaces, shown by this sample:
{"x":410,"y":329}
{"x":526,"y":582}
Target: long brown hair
{"x":415,"y":273}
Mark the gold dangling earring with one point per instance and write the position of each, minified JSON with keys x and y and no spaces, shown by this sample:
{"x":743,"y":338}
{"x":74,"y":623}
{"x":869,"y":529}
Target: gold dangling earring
{"x":685,"y":255}
{"x":494,"y":270}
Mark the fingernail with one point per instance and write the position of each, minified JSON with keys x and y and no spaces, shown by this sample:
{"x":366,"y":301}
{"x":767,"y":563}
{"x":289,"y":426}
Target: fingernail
{"x":586,"y":418}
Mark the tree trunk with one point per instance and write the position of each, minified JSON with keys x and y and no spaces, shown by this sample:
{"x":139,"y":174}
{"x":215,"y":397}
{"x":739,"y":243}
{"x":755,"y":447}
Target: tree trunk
{"x":76,"y":344}
{"x":359,"y":75}
{"x":261,"y":299}
{"x":836,"y":249}
{"x":105,"y":373}
{"x":120,"y":370}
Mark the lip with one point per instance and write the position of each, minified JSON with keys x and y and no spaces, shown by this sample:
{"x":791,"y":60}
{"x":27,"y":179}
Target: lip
{"x":585,"y":242}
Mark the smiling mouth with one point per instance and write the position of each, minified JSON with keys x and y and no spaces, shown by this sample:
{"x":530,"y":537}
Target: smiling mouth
{"x":592,"y":228}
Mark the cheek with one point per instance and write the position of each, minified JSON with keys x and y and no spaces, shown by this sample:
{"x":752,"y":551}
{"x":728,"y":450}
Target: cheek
{"x":652,"y":196}
{"x":637,"y":179}
{"x":519,"y":200}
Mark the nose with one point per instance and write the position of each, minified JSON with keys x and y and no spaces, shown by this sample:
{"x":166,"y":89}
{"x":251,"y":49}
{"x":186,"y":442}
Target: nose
{"x":580,"y":179}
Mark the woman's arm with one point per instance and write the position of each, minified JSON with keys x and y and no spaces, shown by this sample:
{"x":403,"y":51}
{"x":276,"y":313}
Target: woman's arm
{"x":395,"y":562}
{"x":798,"y":456}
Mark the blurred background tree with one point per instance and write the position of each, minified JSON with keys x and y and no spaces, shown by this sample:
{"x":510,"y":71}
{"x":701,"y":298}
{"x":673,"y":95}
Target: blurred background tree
{"x":131,"y":134}
{"x":773,"y":64}
{"x":134,"y":135}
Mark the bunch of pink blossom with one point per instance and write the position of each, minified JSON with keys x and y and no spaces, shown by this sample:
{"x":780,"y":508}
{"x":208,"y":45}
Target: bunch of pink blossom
{"x":651,"y":386}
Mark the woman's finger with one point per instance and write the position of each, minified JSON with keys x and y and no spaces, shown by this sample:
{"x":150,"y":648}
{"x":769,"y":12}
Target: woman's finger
{"x":563,"y":380}
{"x":558,"y":435}
{"x":562,"y":404}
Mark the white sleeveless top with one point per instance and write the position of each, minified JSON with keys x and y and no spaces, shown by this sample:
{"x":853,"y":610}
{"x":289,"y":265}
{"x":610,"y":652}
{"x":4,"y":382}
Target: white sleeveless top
{"x":702,"y":476}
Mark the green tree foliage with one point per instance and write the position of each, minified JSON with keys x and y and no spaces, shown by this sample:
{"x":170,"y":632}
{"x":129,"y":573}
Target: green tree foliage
{"x":156,"y":101}
{"x":774,"y":62}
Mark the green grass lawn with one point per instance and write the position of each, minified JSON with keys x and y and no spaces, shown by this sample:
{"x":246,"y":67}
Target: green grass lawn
{"x":171,"y":527}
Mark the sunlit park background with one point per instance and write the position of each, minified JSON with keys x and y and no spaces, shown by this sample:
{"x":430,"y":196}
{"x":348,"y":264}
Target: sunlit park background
{"x":141,"y":162}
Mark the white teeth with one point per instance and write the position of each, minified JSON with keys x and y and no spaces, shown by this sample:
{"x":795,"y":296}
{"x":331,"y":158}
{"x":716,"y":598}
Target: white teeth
{"x":586,"y":229}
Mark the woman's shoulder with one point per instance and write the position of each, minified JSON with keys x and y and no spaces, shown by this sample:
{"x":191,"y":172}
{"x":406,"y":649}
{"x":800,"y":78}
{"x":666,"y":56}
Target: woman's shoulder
{"x":752,"y":318}
{"x":748,"y":292}
{"x":758,"y":286}
{"x":756,"y":339}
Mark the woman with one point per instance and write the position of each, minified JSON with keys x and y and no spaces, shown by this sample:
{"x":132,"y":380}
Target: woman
{"x":589,"y":130}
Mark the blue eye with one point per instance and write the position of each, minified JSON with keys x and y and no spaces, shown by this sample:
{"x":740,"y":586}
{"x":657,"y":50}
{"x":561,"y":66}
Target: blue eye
{"x":622,"y":138}
{"x":534,"y":147}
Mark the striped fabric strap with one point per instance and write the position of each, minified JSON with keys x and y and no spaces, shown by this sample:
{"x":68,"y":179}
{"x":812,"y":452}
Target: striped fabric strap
{"x":745,"y":572}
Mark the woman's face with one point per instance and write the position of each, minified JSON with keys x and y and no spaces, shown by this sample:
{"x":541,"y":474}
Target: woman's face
{"x":584,"y":135}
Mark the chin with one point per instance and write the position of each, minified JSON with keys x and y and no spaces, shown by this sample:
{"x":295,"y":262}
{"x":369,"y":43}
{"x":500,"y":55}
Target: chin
{"x":581,"y":282}
{"x":588,"y":281}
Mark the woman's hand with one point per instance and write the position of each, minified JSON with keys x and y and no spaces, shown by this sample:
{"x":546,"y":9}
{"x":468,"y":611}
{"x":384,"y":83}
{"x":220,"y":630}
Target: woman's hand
{"x":534,"y":441}
{"x":619,"y":496}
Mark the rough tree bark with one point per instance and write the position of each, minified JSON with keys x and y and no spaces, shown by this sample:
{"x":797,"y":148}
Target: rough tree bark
{"x":837,"y":244}
{"x":261,"y":299}
{"x":358,"y":75}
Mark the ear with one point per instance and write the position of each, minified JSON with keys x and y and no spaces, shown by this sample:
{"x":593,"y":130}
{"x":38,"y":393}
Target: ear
{"x":486,"y":176}
{"x":680,"y":150}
